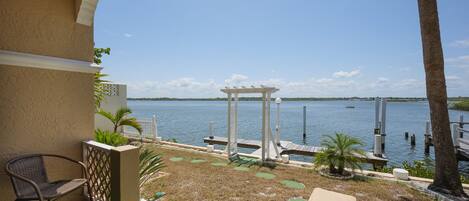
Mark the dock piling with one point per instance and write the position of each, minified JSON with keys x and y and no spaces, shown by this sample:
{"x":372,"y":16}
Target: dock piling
{"x":461,"y":126}
{"x":210,"y":128}
{"x":428,"y":139}
{"x":412,"y":140}
{"x":304,"y":122}
{"x":406,"y":135}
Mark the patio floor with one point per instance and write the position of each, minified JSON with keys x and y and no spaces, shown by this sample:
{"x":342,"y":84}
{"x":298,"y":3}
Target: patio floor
{"x":199,"y":176}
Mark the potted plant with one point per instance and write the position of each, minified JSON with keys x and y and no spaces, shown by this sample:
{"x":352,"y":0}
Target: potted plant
{"x":339,"y":152}
{"x":150,"y":162}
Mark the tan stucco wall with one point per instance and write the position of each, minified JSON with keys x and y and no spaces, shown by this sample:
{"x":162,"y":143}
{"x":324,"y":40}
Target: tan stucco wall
{"x":44,"y":111}
{"x":45,"y":27}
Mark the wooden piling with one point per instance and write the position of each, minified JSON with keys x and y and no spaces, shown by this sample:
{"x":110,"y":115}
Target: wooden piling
{"x":406,"y":135}
{"x":412,"y":140}
{"x":428,"y":139}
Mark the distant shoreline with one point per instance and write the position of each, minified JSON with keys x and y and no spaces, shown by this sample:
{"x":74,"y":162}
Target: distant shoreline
{"x":390,"y":99}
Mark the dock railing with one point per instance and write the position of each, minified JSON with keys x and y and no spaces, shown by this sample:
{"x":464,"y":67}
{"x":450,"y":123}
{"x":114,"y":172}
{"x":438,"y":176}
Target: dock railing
{"x":149,"y":126}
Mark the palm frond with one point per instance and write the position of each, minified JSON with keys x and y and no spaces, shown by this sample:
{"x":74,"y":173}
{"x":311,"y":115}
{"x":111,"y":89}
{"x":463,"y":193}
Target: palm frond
{"x":121,"y":113}
{"x":132,"y":122}
{"x":107,"y":115}
{"x":150,"y":164}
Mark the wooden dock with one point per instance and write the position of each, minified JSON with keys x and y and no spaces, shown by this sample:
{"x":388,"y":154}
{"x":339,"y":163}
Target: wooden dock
{"x":287,"y":147}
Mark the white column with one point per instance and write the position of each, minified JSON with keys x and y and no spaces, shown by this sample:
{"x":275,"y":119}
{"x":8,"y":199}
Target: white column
{"x":264,"y":129}
{"x":383,"y":123}
{"x":377,"y":111}
{"x":228,"y":144}
{"x":234,"y":140}
{"x":455,"y":135}
{"x":269,"y":131}
{"x":277,"y":126}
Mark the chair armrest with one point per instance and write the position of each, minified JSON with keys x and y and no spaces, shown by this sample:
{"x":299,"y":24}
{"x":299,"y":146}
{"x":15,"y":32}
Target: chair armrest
{"x":82,"y":165}
{"x":31,"y":182}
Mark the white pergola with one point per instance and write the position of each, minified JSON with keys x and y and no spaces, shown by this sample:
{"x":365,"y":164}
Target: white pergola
{"x":267,"y":137}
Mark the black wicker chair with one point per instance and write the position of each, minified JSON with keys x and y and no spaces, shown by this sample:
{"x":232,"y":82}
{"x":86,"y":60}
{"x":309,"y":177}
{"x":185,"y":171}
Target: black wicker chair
{"x":30,"y":182}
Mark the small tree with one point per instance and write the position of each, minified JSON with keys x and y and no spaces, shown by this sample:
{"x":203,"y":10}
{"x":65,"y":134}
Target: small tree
{"x":120,"y":118}
{"x":340,"y":151}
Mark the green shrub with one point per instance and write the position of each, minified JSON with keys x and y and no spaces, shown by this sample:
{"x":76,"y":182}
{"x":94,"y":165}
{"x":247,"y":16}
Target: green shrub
{"x":419,"y":168}
{"x":110,"y":138}
{"x":461,"y":105}
{"x":339,"y":152}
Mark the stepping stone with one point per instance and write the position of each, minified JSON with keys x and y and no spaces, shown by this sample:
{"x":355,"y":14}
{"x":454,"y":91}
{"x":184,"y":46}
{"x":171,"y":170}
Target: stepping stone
{"x":176,"y":159}
{"x":293,"y":184}
{"x":241,"y":168}
{"x":220,"y":164}
{"x":265,"y":175}
{"x":296,"y":199}
{"x":197,"y":161}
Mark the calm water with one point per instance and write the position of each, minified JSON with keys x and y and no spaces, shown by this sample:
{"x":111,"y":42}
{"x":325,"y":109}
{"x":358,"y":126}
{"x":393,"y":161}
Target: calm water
{"x":187,"y":121}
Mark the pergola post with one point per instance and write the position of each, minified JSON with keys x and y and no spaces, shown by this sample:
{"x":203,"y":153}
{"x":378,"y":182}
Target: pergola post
{"x":264,"y":128}
{"x":232,"y":122}
{"x":267,"y":119}
{"x":228,"y":148}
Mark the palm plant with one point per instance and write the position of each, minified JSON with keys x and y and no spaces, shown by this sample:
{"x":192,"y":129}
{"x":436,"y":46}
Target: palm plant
{"x":99,"y":89}
{"x":109,"y":138}
{"x":340,"y":151}
{"x":150,"y":164}
{"x":121,"y":118}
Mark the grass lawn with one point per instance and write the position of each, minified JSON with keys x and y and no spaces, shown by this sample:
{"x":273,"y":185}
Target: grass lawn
{"x":198,"y":176}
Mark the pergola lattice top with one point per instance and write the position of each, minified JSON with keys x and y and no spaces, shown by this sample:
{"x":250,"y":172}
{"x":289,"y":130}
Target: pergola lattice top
{"x":261,"y":90}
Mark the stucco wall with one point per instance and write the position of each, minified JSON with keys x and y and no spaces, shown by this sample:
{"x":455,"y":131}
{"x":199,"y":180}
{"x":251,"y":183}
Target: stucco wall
{"x":44,"y":111}
{"x":45,"y":27}
{"x":111,"y":104}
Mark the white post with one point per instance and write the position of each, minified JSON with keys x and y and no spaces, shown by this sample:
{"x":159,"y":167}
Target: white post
{"x":210,"y":128}
{"x":234,"y":141}
{"x":277,"y":126}
{"x":269,"y":131}
{"x":377,"y":151}
{"x":455,"y":135}
{"x":377,"y":102}
{"x":228,"y":145}
{"x":461,"y":125}
{"x":383,"y":124}
{"x":263,"y":126}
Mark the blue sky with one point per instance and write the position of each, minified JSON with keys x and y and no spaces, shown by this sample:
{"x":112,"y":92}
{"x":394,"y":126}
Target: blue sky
{"x":192,"y":48}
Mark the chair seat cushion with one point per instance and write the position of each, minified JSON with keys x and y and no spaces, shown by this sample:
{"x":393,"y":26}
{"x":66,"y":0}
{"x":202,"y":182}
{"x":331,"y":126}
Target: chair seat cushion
{"x":55,"y":189}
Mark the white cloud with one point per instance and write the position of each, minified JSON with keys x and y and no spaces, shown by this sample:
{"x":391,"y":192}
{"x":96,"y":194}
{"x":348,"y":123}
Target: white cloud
{"x":187,"y":87}
{"x":236,"y":79}
{"x":128,"y":35}
{"x":460,"y":43}
{"x":461,"y":61}
{"x":452,"y":77}
{"x":344,"y":74}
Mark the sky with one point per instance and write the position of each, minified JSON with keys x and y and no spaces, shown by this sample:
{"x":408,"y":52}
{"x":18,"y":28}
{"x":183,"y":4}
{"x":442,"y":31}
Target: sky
{"x":306,"y":48}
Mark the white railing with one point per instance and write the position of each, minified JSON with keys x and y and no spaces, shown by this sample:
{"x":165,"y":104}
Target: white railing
{"x":149,"y":129}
